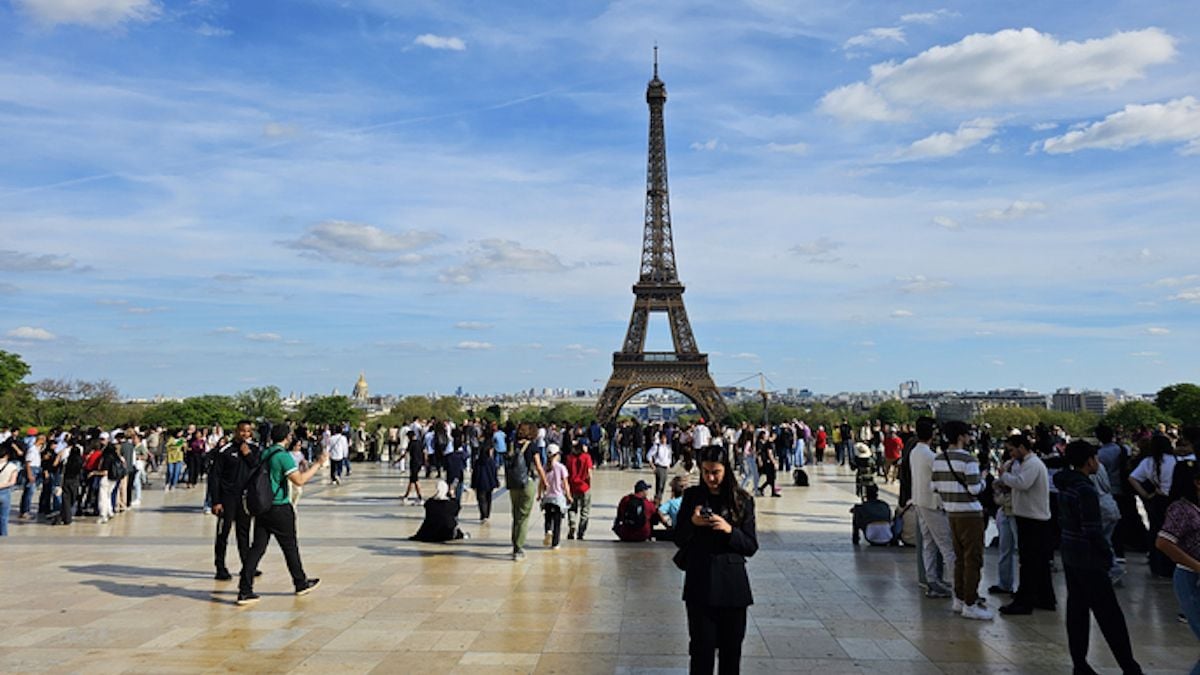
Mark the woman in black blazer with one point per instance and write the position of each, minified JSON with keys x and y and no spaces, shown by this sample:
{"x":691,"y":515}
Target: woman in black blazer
{"x":715,"y":534}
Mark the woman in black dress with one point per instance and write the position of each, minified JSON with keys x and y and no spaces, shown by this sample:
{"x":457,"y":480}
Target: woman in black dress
{"x":715,"y":534}
{"x":484,"y":478}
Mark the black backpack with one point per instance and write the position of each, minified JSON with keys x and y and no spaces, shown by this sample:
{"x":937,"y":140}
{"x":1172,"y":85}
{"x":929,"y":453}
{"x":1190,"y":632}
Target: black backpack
{"x":800,"y":478}
{"x":116,"y":469}
{"x":440,"y":440}
{"x":258,"y":496}
{"x":516,"y":467}
{"x":633,"y":515}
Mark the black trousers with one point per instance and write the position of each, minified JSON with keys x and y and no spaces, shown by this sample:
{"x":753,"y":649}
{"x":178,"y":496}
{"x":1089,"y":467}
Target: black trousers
{"x":232,"y":518}
{"x":553,"y":516}
{"x":70,"y":495}
{"x":712,"y":630}
{"x":1156,"y":512}
{"x":279,"y":521}
{"x":1131,"y":530}
{"x":484,"y":497}
{"x":1092,"y":591}
{"x":1035,"y":588}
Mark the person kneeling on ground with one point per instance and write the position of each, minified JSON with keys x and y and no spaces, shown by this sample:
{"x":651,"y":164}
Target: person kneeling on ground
{"x":873,"y":518}
{"x":636,"y":514}
{"x":441,"y":518}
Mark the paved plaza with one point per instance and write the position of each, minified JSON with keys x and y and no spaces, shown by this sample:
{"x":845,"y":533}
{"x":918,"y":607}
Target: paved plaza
{"x":137,"y":595}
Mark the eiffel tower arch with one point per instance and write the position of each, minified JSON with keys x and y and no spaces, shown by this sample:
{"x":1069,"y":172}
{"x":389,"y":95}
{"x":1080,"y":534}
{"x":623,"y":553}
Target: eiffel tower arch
{"x":659,"y":290}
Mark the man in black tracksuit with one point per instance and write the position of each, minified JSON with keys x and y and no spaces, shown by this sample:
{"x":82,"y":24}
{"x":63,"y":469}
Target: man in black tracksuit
{"x":1086,"y":557}
{"x":231,"y":466}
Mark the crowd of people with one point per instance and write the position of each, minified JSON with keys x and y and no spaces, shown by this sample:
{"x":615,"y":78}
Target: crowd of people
{"x":1046,"y":493}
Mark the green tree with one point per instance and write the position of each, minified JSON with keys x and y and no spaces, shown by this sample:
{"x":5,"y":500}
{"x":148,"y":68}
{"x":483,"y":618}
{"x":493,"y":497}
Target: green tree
{"x":199,"y":410}
{"x":447,"y":408}
{"x":329,"y":410}
{"x":12,"y":370}
{"x":412,"y":406}
{"x":260,"y":402}
{"x":1134,"y":414}
{"x":893,"y":412}
{"x":1181,"y":401}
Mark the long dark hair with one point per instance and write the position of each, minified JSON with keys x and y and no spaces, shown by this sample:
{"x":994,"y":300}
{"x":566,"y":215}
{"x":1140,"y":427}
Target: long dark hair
{"x":729,"y":492}
{"x":1183,"y":482}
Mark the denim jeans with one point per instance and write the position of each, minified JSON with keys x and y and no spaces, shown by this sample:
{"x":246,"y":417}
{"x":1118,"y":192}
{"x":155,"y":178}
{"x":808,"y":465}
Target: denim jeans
{"x":31,"y":487}
{"x":5,"y":507}
{"x":174,"y":471}
{"x":1007,"y":526}
{"x":1187,"y":591}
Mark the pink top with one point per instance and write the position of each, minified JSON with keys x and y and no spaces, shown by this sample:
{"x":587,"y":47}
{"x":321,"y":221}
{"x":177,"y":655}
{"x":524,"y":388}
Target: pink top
{"x":556,"y":475}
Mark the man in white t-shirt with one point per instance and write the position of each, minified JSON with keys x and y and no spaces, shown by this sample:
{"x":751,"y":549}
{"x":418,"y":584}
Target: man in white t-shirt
{"x":339,"y":450}
{"x":701,"y":436}
{"x":934,"y":524}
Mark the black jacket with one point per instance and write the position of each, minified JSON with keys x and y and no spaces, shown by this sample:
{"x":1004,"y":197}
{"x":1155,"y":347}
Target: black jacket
{"x":1083,"y":543}
{"x":715,"y":563}
{"x":229,"y":471}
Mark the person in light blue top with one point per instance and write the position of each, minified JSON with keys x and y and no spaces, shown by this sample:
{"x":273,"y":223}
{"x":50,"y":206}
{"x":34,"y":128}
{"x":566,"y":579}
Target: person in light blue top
{"x":670,"y":509}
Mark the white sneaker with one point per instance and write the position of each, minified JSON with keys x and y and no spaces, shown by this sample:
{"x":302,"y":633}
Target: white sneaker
{"x":136,"y":503}
{"x":207,"y":511}
{"x":958,"y":606}
{"x":102,"y":520}
{"x":547,"y":539}
{"x":978,"y":611}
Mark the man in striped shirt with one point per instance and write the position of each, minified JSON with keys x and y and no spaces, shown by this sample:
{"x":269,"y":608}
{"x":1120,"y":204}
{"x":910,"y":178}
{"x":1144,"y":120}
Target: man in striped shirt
{"x":957,"y":481}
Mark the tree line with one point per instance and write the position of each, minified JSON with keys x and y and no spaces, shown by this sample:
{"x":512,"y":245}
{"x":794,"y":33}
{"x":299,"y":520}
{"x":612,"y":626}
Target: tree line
{"x":67,"y":402}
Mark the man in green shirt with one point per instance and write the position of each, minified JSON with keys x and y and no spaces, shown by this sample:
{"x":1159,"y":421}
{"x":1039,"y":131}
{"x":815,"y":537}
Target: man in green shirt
{"x":280,"y":519}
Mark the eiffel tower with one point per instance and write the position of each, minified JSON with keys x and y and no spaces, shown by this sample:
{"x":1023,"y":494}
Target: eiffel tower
{"x":658,"y":289}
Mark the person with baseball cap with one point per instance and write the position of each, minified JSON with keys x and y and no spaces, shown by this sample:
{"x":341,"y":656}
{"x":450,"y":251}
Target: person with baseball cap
{"x":636,"y":514}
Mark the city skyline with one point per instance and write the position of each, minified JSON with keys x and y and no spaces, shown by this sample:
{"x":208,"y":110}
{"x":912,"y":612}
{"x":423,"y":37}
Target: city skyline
{"x":204,"y":198}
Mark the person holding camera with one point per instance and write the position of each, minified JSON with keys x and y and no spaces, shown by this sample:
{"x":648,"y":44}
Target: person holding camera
{"x":715,"y":534}
{"x":280,"y":520}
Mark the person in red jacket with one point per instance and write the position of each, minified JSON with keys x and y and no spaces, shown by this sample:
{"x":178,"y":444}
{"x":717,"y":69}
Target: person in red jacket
{"x":579,"y":480}
{"x":893,"y":445}
{"x":820,"y":443}
{"x":636,"y":514}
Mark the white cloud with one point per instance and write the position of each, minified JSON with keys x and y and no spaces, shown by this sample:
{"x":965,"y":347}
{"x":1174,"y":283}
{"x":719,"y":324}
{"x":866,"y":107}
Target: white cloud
{"x":501,"y":256}
{"x":859,"y":101}
{"x":264,"y":337}
{"x":1009,"y":66}
{"x":209,"y":30}
{"x":919,"y":283}
{"x":745,"y":356}
{"x":1144,"y":355}
{"x":19,"y":261}
{"x":946,"y":144}
{"x":927,"y":17}
{"x":534,"y":345}
{"x":1191,"y":295}
{"x":705,"y":146}
{"x":946,"y":222}
{"x":819,"y":250}
{"x":1172,"y":282}
{"x":225,"y":330}
{"x":876,"y":36}
{"x":1158,"y":330}
{"x":95,"y":13}
{"x":1015,"y":211}
{"x":788,"y":148}
{"x":1044,"y":126}
{"x":472,"y":325}
{"x":472,"y":345}
{"x":279,"y":130}
{"x":439,"y":42}
{"x":1176,"y":121}
{"x":360,"y":244}
{"x":581,"y":350}
{"x":32,"y":334}
{"x":902,"y":314}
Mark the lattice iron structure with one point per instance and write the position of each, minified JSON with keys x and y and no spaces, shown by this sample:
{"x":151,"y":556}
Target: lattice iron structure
{"x":658,"y":289}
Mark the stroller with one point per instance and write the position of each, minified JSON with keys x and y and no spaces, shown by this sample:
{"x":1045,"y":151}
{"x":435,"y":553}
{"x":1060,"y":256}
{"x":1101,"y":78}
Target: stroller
{"x":864,"y":469}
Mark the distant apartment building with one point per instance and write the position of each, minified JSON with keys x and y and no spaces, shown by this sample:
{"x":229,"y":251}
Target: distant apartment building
{"x":908,"y":388}
{"x":1070,"y":401}
{"x":967,"y":406}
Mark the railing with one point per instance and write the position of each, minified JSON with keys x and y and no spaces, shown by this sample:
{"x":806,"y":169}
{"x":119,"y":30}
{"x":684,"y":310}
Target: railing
{"x":659,"y":357}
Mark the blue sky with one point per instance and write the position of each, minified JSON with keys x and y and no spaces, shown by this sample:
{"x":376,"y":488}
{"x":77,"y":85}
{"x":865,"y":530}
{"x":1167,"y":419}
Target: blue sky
{"x":205,"y":196}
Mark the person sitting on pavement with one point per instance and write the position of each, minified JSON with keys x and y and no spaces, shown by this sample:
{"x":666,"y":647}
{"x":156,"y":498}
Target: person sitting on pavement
{"x":873,"y":519}
{"x":636,"y":515}
{"x":441,"y":518}
{"x":670,"y":509}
